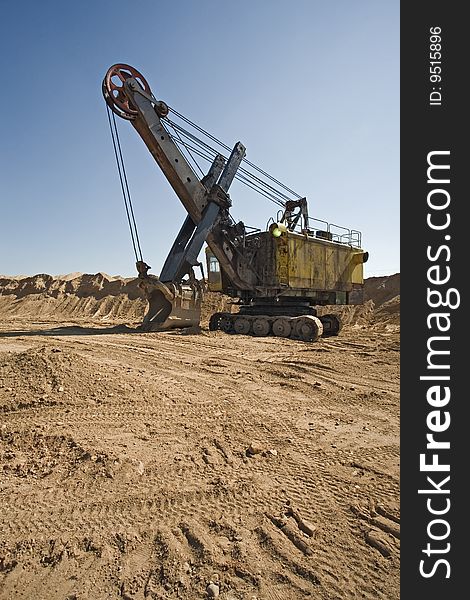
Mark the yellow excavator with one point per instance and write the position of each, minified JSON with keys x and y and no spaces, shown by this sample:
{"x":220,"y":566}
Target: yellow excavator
{"x":277,"y":276}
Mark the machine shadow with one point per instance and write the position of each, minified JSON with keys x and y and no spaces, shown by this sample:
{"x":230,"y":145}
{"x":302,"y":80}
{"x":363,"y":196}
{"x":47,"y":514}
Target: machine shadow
{"x":72,"y":330}
{"x":75,"y":330}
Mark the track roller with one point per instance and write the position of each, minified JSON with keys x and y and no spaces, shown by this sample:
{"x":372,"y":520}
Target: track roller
{"x":282,"y":327}
{"x":242,"y":325}
{"x":215,"y":320}
{"x":261,"y":326}
{"x":226,"y":323}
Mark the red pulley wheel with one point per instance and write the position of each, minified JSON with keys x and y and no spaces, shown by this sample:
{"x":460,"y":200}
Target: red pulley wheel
{"x":113,"y":89}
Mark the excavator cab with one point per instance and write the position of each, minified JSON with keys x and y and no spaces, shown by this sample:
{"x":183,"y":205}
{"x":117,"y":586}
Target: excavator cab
{"x":214,"y":274}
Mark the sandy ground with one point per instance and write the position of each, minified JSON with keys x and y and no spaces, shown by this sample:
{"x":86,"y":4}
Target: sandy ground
{"x":176,"y":465}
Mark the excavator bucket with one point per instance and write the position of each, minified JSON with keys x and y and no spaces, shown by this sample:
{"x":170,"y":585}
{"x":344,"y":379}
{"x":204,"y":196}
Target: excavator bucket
{"x":170,"y":306}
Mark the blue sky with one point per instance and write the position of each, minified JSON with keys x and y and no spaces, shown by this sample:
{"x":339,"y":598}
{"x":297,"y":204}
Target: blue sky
{"x":311,"y":88}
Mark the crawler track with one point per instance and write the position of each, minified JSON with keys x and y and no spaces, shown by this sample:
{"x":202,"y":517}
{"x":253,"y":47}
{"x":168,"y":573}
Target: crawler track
{"x":307,"y":328}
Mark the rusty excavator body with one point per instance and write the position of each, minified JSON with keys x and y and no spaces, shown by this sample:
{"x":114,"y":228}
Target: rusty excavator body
{"x":277,"y":276}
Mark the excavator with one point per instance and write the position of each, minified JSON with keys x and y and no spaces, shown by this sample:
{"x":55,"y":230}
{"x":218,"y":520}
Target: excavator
{"x":277,"y":277}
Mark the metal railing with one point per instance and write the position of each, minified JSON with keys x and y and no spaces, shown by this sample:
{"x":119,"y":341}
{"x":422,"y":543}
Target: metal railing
{"x":321,"y":229}
{"x":331,"y":232}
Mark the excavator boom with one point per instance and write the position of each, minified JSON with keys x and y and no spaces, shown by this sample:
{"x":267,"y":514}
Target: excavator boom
{"x":173,"y":303}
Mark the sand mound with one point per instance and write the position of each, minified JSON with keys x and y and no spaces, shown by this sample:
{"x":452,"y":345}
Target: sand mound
{"x":384,"y":292}
{"x":389,"y":312}
{"x":48,"y":376}
{"x":40,"y":369}
{"x":382,"y":289}
{"x":81,"y":285}
{"x":75,"y":296}
{"x":366,"y":314}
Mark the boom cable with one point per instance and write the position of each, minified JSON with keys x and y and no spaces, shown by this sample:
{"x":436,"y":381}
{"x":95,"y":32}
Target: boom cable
{"x":178,"y":140}
{"x":279,"y":197}
{"x":208,"y":152}
{"x":239,"y":176}
{"x":217,"y":141}
{"x":124,"y":185}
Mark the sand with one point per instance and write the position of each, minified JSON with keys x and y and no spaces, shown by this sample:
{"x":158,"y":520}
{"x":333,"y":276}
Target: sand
{"x":179,"y":465}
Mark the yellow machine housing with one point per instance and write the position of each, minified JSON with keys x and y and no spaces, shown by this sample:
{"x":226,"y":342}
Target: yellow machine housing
{"x":299,"y":265}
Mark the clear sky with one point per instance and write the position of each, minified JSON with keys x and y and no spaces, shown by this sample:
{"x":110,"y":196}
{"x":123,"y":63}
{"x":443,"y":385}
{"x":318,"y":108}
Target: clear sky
{"x":311,"y":88}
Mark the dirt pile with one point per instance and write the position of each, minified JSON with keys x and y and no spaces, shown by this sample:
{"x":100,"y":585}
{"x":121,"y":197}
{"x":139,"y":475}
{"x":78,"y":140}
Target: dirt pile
{"x":98,"y":296}
{"x":381,"y":306}
{"x":362,"y":314}
{"x":384,"y":292}
{"x":382,"y":289}
{"x":78,"y":296}
{"x":81,"y":285}
{"x":102,"y":298}
{"x":48,"y":376}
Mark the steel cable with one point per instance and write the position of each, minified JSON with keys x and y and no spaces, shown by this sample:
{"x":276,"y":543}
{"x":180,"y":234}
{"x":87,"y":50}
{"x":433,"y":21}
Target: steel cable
{"x":257,"y":184}
{"x":217,"y":141}
{"x":124,"y":185}
{"x":239,"y":177}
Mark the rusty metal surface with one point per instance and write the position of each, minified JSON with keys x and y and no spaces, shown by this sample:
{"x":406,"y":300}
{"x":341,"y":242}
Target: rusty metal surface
{"x":170,"y":305}
{"x":189,"y":189}
{"x":113,"y":89}
{"x":300,"y":262}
